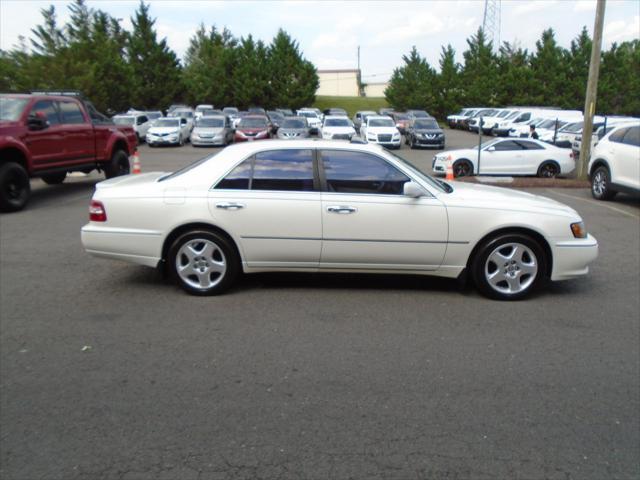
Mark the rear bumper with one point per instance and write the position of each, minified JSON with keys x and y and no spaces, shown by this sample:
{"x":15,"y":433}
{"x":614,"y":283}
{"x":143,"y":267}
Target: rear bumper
{"x":572,"y":258}
{"x":142,"y":247}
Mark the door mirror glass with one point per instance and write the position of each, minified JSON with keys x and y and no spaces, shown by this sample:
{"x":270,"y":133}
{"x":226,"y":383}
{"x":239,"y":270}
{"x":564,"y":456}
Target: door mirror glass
{"x":413,"y":190}
{"x":37,"y":121}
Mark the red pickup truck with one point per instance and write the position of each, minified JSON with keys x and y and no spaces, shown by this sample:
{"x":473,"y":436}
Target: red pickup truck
{"x":48,"y":136}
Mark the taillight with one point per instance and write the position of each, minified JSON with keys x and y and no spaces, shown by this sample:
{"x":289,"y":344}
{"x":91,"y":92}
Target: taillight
{"x":571,"y":154}
{"x":97,"y":213}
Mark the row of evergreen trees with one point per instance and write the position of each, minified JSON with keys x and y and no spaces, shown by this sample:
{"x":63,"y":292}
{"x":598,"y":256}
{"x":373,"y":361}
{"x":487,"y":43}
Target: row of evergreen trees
{"x":549,"y":76}
{"x":118,"y":69}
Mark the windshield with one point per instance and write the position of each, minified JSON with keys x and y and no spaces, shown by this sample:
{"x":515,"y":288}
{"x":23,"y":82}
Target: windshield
{"x":573,"y":127}
{"x":420,"y":114}
{"x":308,"y":114}
{"x":210,"y":122}
{"x":202,"y":108}
{"x":230,"y":110}
{"x":11,"y":108}
{"x":167,"y":122}
{"x":293,"y":123}
{"x":337,"y":122}
{"x":401,"y":116}
{"x":504,"y":113}
{"x":432,"y":124}
{"x":381,"y":122}
{"x":183,"y":113}
{"x":512,"y":115}
{"x":485,"y":113}
{"x":124,"y":120}
{"x":423,"y":176}
{"x":252,"y":123}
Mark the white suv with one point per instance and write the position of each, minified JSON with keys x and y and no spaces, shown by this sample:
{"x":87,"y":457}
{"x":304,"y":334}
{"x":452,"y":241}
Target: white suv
{"x":138,"y":121}
{"x":615,"y":163}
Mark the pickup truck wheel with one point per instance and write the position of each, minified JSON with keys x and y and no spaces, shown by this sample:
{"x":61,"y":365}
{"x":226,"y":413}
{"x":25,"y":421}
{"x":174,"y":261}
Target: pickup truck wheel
{"x":14,"y":187}
{"x":119,"y":165}
{"x":54,"y":178}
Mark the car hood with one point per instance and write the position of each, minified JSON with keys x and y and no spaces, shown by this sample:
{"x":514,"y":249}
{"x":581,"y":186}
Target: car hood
{"x":475,"y":195}
{"x":382,"y":130}
{"x":158,"y":130}
{"x":338,"y":130}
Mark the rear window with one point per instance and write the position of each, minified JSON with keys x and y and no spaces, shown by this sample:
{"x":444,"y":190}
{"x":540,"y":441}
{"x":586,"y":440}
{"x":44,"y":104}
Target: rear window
{"x":71,"y":113}
{"x":632,"y":137}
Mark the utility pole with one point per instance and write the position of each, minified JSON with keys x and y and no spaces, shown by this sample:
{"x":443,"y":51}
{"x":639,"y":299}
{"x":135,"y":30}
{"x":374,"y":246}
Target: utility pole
{"x":591,"y":93}
{"x":360,"y":89}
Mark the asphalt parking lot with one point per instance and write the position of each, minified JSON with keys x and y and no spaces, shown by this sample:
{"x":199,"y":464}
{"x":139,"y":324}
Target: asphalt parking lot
{"x":109,"y":372}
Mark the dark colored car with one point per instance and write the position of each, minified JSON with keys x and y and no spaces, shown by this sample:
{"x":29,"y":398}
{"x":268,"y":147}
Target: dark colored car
{"x":425,"y":132}
{"x":50,"y":134}
{"x":415,"y":114}
{"x":253,"y":127}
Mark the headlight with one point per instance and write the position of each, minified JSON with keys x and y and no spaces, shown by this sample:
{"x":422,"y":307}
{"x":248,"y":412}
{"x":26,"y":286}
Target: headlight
{"x":578,"y":229}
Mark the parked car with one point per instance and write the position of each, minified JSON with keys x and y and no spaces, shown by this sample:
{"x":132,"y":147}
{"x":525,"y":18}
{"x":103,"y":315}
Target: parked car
{"x":507,"y":157}
{"x":168,"y":131}
{"x":230,"y":111}
{"x":212,"y":130}
{"x":49,"y":135}
{"x":452,"y":120}
{"x":253,"y":127}
{"x":567,"y":134}
{"x":154,"y":115}
{"x":235,"y":119}
{"x":380,"y":130}
{"x":473,"y":124}
{"x":414,"y":114}
{"x":177,"y":106}
{"x":402,"y":121}
{"x":315,"y":205}
{"x":294,"y":128}
{"x":200,"y":109}
{"x":385,"y":111}
{"x":615,"y":163}
{"x":335,"y":111}
{"x":287,"y":112}
{"x":257,"y":111}
{"x":336,"y":127}
{"x":312,"y":118}
{"x":357,"y":118}
{"x":610,"y":124}
{"x":425,"y":132}
{"x":138,"y":121}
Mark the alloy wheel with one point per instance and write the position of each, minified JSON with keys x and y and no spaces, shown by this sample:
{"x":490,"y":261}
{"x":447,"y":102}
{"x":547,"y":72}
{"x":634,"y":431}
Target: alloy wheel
{"x":201,"y":263}
{"x":511,"y":268}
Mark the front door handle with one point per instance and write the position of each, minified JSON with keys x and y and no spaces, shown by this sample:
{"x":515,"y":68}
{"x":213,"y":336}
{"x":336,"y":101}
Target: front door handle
{"x":344,"y":209}
{"x":230,"y":205}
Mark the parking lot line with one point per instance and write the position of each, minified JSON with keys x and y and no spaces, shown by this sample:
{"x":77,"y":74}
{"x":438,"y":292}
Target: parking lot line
{"x":594,"y":202}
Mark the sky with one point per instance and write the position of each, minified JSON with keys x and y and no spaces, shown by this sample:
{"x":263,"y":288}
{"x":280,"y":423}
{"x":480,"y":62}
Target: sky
{"x":329,"y":32}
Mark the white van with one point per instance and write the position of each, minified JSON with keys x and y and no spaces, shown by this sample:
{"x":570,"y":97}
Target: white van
{"x":527,"y":114}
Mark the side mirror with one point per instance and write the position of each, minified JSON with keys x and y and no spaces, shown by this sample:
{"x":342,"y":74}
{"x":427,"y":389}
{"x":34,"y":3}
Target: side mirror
{"x":413,"y":190}
{"x":491,"y":149}
{"x":37,"y":122}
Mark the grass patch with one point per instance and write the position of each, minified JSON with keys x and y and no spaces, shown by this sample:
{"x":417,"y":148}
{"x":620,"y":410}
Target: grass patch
{"x":351,"y":104}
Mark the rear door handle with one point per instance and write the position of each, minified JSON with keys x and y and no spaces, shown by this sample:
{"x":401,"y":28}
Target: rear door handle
{"x":230,"y":205}
{"x":344,"y":209}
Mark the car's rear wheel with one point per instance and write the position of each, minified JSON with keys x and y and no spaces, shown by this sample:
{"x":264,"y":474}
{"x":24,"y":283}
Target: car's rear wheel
{"x":203,"y":262}
{"x":509,"y":267}
{"x":118,"y":166}
{"x":54,"y":178}
{"x":462,"y":168}
{"x":601,"y":184}
{"x":15,"y":188}
{"x":549,"y":170}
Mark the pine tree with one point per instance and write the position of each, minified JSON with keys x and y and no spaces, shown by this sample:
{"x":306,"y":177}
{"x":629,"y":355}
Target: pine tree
{"x":250,"y":78}
{"x":413,"y":84}
{"x":619,"y":84}
{"x":480,"y":72}
{"x":294,"y":80}
{"x":155,"y":67}
{"x":549,"y":72}
{"x":514,"y":76}
{"x":578,"y":59}
{"x":449,"y":96}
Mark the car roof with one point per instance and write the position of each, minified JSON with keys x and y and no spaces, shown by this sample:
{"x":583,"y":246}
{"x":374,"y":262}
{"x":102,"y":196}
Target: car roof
{"x":379,"y":117}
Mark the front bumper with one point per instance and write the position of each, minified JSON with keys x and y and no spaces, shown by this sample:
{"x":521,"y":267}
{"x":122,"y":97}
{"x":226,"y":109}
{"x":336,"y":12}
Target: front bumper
{"x":199,"y":141}
{"x":392,"y":143}
{"x":428,"y":142}
{"x":571,"y":258}
{"x":161,"y":141}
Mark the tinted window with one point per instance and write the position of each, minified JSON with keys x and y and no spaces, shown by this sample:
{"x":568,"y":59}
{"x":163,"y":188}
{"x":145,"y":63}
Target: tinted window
{"x":11,"y":108}
{"x":337,"y":122}
{"x":70,"y":113}
{"x":522,"y":118}
{"x":529,"y":145}
{"x":360,"y":172}
{"x":283,"y":170}
{"x":46,"y":108}
{"x":618,"y":135}
{"x":632,"y":137}
{"x":508,"y":145}
{"x":239,"y":177}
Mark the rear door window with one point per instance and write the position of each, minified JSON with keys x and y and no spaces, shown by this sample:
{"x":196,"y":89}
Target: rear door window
{"x":507,"y":146}
{"x":71,"y":113}
{"x":529,"y":145}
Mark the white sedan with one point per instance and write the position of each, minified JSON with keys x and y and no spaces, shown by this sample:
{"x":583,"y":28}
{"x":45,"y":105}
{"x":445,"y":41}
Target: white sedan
{"x":312,"y":206}
{"x":522,"y":156}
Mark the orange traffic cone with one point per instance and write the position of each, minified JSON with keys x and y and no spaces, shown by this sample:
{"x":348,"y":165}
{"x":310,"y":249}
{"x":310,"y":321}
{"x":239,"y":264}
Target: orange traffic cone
{"x":449,"y":168}
{"x":136,"y":163}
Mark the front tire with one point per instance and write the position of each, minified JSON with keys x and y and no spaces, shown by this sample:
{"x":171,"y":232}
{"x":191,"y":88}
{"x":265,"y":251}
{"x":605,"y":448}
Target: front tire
{"x":203,"y":263}
{"x":601,"y":184}
{"x":509,"y":267}
{"x":118,"y":166}
{"x":15,"y":188}
{"x":54,"y":178}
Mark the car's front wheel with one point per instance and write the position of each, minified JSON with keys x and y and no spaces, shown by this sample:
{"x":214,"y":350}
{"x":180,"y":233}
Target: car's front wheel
{"x":601,"y":184}
{"x":462,"y":168}
{"x":203,"y":262}
{"x":509,"y":267}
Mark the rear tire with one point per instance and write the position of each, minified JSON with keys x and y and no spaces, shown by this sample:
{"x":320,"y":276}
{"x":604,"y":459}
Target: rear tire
{"x":203,"y":263}
{"x":601,"y":184}
{"x":509,"y":267}
{"x":462,"y":168}
{"x":118,"y":166}
{"x":549,"y":170}
{"x":54,"y":178}
{"x":15,"y":188}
